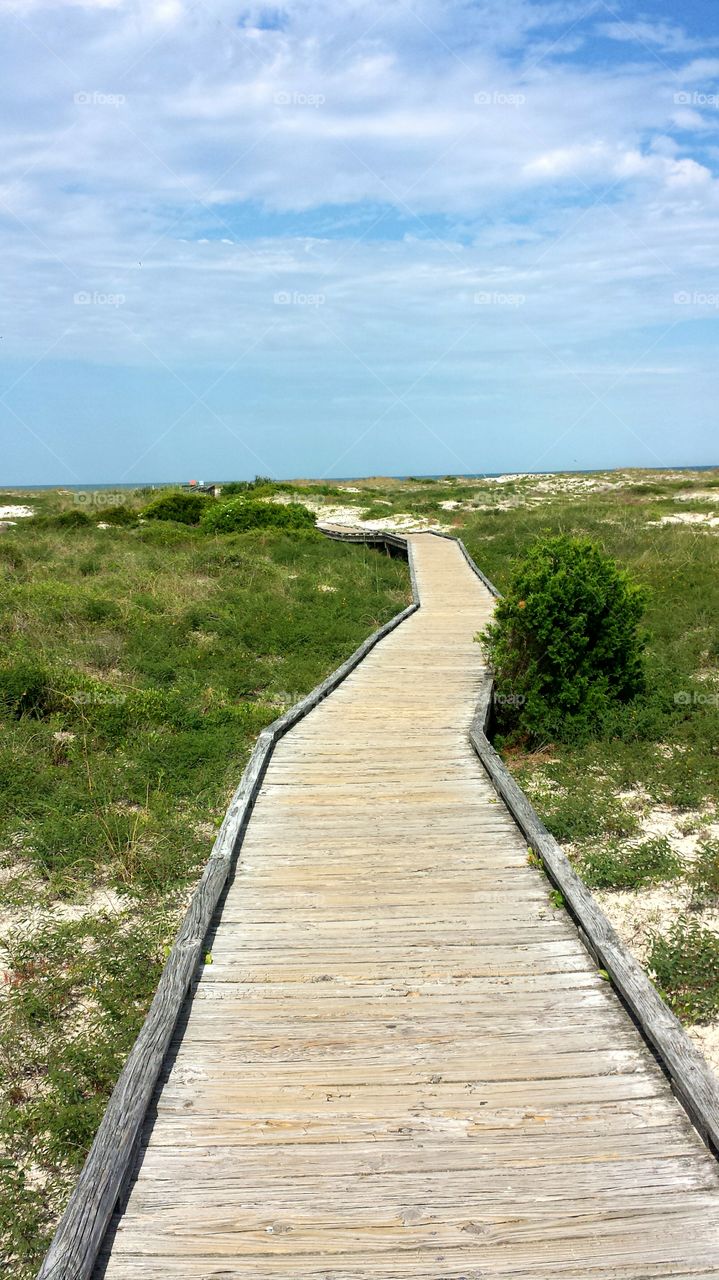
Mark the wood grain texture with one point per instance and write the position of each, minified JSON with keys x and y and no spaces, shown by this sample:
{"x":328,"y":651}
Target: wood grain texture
{"x":401,"y":1062}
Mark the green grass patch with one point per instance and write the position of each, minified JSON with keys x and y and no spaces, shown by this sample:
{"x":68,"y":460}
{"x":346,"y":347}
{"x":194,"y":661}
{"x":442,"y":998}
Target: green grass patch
{"x":630,"y":866}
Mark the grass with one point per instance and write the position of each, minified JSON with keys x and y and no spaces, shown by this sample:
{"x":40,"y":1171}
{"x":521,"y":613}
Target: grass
{"x":138,"y":665}
{"x":630,"y":866}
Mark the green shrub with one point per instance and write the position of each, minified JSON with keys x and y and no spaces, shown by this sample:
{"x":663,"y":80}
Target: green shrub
{"x":163,"y":533}
{"x":119,"y":515}
{"x":11,"y":557}
{"x":704,"y":875}
{"x":240,"y":514}
{"x":99,"y":609}
{"x":630,"y":867}
{"x":380,"y":511}
{"x":564,"y":644}
{"x":586,"y":813}
{"x":260,"y":484}
{"x":184,"y":508}
{"x":685,"y":964}
{"x":91,"y":564}
{"x":24,"y":775}
{"x":72,"y":520}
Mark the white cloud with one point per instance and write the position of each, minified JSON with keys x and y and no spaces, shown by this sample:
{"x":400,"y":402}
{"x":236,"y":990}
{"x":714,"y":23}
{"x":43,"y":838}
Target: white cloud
{"x":668,"y":37}
{"x":235,"y":157}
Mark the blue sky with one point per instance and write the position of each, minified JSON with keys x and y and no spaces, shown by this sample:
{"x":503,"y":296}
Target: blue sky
{"x":338,"y":239}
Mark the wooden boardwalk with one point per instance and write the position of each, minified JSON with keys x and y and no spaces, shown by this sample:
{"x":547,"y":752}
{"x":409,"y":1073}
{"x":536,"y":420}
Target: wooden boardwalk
{"x":401,"y":1063}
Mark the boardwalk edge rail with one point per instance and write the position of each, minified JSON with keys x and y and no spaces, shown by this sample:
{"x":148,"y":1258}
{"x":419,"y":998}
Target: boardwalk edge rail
{"x":76,"y":1245}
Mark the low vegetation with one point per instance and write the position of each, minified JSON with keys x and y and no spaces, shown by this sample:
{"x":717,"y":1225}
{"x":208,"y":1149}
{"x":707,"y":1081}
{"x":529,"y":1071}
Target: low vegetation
{"x":630,"y":866}
{"x":704,"y":873}
{"x":685,"y":966}
{"x":240,"y":514}
{"x":139,"y":662}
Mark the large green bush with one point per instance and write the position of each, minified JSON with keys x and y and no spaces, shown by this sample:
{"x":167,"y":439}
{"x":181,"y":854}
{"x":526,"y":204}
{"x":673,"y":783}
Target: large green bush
{"x":72,"y":519}
{"x":184,"y":508}
{"x":565,"y":645}
{"x":121,"y":514}
{"x":241,"y":514}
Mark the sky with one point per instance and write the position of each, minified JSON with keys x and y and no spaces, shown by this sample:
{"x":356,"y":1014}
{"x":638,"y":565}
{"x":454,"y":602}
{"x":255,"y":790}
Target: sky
{"x":328,"y":238}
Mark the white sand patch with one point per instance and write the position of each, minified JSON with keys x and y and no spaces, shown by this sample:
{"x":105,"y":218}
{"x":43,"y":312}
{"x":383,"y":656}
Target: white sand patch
{"x":575,"y":484}
{"x":701,"y":519}
{"x":706,"y":1040}
{"x":685,"y":829}
{"x":26,"y":917}
{"x":671,"y":824}
{"x":16,"y":512}
{"x":349,"y":518}
{"x":637,"y":915}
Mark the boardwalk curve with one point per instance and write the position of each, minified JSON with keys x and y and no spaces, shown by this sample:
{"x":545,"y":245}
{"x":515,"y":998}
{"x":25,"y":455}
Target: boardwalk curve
{"x":402,"y":1062}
